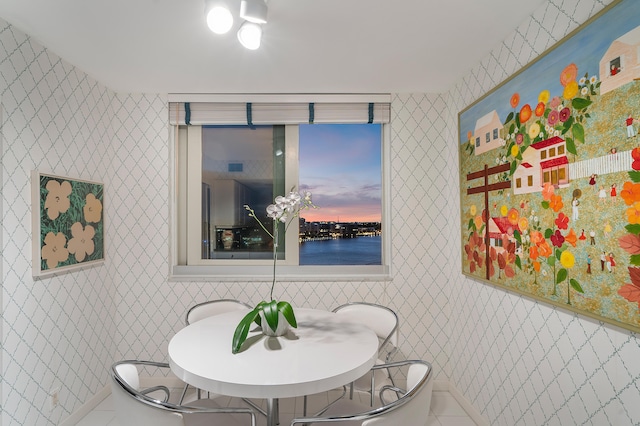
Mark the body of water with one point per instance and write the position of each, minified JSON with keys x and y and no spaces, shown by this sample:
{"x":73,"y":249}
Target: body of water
{"x":342,"y":251}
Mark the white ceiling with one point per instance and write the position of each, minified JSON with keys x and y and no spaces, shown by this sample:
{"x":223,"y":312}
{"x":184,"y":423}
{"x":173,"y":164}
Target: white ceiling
{"x":309,"y":46}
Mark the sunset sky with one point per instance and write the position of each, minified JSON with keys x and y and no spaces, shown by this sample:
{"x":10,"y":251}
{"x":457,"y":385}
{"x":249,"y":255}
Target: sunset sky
{"x":341,"y":166}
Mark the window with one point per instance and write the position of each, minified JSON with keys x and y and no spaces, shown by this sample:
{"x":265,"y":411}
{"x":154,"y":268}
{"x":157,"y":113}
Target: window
{"x":518,"y":183}
{"x":561,"y":150}
{"x":477,"y":141}
{"x":530,"y":180}
{"x":552,"y":152}
{"x":488,"y":137}
{"x":614,"y":66}
{"x":543,"y":154}
{"x":223,"y":167}
{"x":495,"y":133}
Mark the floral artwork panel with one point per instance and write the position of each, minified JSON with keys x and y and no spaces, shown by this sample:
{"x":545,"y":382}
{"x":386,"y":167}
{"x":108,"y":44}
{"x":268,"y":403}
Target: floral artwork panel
{"x":550,"y":174}
{"x":68,"y":223}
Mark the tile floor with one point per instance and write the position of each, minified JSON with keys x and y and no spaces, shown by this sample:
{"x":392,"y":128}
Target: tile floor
{"x":445,"y":411}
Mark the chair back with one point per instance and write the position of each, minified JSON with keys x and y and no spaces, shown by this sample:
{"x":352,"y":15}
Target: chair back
{"x":134,"y":408}
{"x":213,"y":307}
{"x":382,"y":320}
{"x":413,"y":407}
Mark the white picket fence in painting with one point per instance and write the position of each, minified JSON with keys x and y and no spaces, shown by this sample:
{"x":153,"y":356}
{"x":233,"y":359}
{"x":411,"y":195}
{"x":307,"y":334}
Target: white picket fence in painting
{"x":610,"y":163}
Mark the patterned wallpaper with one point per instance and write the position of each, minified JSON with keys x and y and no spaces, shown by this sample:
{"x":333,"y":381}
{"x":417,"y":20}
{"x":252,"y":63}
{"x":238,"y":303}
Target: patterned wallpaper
{"x":56,"y":332}
{"x":517,"y":361}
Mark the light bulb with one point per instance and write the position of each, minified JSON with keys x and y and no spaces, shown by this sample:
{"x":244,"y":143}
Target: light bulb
{"x":219,"y":20}
{"x":249,"y":35}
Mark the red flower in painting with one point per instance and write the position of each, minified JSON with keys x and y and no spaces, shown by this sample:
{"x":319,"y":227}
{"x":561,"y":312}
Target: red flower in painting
{"x":565,"y":113}
{"x":525,"y":113}
{"x":553,"y":118}
{"x":515,"y":100}
{"x":539,"y":109}
{"x":547,"y":191}
{"x":562,"y":221}
{"x":557,"y":239}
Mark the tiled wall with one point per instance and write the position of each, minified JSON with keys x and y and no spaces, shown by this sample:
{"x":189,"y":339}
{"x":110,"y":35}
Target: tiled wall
{"x":517,"y":361}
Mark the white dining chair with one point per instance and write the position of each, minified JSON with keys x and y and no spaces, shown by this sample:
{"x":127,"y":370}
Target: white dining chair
{"x":152,"y":406}
{"x":208,"y":309}
{"x":411,"y":408}
{"x":384,"y":322}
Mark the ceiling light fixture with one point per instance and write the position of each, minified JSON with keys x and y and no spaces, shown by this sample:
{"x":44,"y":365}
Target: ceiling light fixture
{"x":253,"y":12}
{"x":219,"y":18}
{"x":250,"y":35}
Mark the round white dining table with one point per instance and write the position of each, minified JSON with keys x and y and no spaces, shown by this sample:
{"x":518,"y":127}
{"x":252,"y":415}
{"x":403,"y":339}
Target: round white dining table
{"x":323,"y":353}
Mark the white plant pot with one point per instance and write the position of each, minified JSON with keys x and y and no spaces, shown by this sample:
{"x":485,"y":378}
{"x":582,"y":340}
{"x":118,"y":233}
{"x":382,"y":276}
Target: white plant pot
{"x":281,"y":330}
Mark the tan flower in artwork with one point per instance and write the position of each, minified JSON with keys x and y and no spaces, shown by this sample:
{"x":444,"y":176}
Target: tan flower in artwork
{"x":57,"y":199}
{"x":54,"y":250}
{"x":92,"y":209}
{"x":81,"y":244}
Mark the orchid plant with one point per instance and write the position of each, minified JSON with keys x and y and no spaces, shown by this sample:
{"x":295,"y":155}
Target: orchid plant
{"x":284,"y":210}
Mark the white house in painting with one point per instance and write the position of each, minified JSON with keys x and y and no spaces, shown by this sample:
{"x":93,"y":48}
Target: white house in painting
{"x":621,"y":62}
{"x":542,"y":162}
{"x":486,"y":135}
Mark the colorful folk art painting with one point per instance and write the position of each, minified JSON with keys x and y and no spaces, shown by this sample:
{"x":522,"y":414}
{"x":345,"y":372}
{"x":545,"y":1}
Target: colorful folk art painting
{"x":68,"y":223}
{"x":550,"y":174}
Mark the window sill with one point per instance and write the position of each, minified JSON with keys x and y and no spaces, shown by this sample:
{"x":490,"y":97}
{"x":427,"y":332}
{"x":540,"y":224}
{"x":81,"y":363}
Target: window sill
{"x":283,"y":274}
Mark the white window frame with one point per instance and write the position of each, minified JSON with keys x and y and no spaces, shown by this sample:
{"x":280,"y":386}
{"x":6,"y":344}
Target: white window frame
{"x":197,"y":269}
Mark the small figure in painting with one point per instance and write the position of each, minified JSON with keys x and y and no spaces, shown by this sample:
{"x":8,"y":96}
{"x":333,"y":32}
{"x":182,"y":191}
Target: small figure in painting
{"x":612,"y":263}
{"x":631,"y":131}
{"x":613,"y":151}
{"x":592,"y":181}
{"x":592,"y":236}
{"x":582,"y":237}
{"x":607,"y":228}
{"x":613,"y":192}
{"x":588,"y":264}
{"x":574,"y":209}
{"x":602,"y":194}
{"x":609,"y":262}
{"x":614,"y":70}
{"x":603,"y":260}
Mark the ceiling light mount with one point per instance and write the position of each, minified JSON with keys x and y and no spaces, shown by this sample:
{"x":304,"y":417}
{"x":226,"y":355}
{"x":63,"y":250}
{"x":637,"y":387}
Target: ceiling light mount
{"x":253,"y":12}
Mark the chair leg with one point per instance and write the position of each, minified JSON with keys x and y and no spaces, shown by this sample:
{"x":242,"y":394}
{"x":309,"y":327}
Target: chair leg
{"x":184,"y":392}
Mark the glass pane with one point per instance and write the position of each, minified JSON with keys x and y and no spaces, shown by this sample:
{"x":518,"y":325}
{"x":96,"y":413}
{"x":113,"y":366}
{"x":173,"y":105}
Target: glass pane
{"x":341,"y":164}
{"x":240,"y":166}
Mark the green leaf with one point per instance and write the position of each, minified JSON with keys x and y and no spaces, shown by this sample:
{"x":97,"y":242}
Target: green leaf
{"x":471,"y":223}
{"x":634,"y":259}
{"x":562,"y":275}
{"x":576,"y":285}
{"x":270,"y":311}
{"x":545,"y":205}
{"x":578,"y":132}
{"x":242,"y":330}
{"x":287,"y":313}
{"x":518,"y":262}
{"x":558,"y":253}
{"x":548,"y":233}
{"x":571,"y":146}
{"x":551,"y":261}
{"x":634,"y":176}
{"x":516,"y":235}
{"x":509,"y":118}
{"x":633,"y":228}
{"x":580,"y":103}
{"x":514,"y":165}
{"x":567,"y":125}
